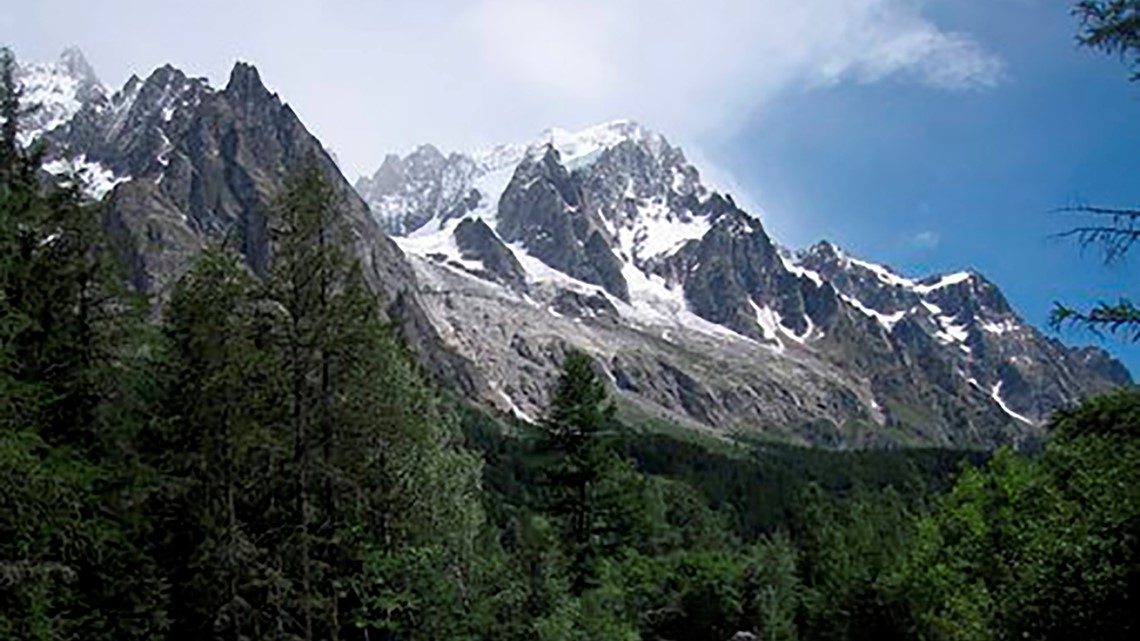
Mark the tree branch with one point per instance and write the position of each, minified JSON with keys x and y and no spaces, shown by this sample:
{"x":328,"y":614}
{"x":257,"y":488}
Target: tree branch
{"x":1115,"y":238}
{"x":1121,"y":319}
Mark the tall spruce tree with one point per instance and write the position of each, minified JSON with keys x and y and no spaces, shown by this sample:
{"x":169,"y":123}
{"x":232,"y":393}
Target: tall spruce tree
{"x":219,"y":447}
{"x":590,"y":488}
{"x":376,"y":474}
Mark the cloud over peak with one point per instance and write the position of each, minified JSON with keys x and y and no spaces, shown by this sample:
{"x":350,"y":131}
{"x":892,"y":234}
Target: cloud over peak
{"x":683,"y":65}
{"x":373,"y":77}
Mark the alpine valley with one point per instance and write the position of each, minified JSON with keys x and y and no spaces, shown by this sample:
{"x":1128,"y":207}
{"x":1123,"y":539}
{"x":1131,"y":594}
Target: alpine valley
{"x":495,"y":263}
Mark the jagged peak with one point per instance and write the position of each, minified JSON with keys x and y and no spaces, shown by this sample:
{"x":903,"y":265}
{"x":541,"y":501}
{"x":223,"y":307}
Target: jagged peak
{"x":245,"y":81}
{"x":823,"y":249}
{"x":586,"y":145}
{"x":606,"y":134}
{"x":58,"y":90}
{"x":163,"y":78}
{"x":393,"y":165}
{"x":73,"y":60}
{"x":827,"y":251}
{"x":428,"y":149}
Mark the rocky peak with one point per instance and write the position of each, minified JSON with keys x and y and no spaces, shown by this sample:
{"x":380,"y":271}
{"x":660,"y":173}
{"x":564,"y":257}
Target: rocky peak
{"x":542,"y":209}
{"x":245,"y":83}
{"x":427,"y":155}
{"x":75,"y":63}
{"x":55,"y":92}
{"x":405,"y":193}
{"x":166,"y":91}
{"x":246,"y":93}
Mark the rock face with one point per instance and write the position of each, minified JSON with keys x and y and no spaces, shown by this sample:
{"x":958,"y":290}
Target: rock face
{"x":547,"y":214}
{"x":479,"y":243}
{"x":615,"y":246}
{"x":405,"y":193}
{"x":182,"y":164}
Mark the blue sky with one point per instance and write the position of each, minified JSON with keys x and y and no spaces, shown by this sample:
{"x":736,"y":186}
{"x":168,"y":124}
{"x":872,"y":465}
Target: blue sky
{"x":931,"y":135}
{"x":931,"y":181}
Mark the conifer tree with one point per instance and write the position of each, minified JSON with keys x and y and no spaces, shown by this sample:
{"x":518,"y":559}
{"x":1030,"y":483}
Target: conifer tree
{"x":220,"y":449}
{"x":380,"y":493}
{"x":575,"y":433}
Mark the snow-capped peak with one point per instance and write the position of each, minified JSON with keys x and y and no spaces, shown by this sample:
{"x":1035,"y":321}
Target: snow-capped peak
{"x":55,"y":91}
{"x":575,"y":148}
{"x":582,"y":147}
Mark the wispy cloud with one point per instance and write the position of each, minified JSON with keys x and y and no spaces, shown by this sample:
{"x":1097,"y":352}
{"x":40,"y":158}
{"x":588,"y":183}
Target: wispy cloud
{"x":688,"y":67}
{"x":372,"y":77}
{"x":925,"y":239}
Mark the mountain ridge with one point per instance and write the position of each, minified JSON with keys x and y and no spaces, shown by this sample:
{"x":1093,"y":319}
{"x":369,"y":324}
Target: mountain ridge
{"x":181,"y":163}
{"x":605,"y":240}
{"x":643,"y":212}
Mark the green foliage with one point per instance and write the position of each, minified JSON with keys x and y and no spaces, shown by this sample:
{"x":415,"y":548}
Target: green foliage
{"x":1116,"y":414}
{"x":772,"y":588}
{"x":1042,"y":549}
{"x":588,"y":487}
{"x":72,"y":540}
{"x":312,"y":484}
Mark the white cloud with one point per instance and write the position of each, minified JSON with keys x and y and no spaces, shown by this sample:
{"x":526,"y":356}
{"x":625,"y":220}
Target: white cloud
{"x":688,"y":67}
{"x":925,"y":239}
{"x":371,"y":77}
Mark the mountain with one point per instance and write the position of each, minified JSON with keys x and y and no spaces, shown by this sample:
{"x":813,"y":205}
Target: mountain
{"x":182,"y":163}
{"x":607,"y":240}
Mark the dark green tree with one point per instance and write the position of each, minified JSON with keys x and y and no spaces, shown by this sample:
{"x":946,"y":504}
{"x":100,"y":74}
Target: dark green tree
{"x":1111,"y":26}
{"x":384,"y":505}
{"x":574,"y":435}
{"x":219,"y":447}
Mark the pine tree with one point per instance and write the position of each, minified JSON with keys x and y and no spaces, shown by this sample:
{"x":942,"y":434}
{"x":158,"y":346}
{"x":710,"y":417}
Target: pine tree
{"x":381,"y":496}
{"x":219,"y":449}
{"x":575,"y":433}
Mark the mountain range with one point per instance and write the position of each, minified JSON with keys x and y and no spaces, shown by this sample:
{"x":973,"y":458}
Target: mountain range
{"x":494,"y":263}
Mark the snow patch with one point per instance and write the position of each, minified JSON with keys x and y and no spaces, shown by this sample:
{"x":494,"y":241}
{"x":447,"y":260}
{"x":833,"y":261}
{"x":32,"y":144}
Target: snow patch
{"x":653,"y":303}
{"x":581,"y":148}
{"x":53,"y":92}
{"x":945,"y":281}
{"x":996,"y":394}
{"x":440,"y":243}
{"x":514,"y":408}
{"x":951,"y":332}
{"x":769,"y":321}
{"x":888,"y":321}
{"x":657,"y":231}
{"x":931,"y":307}
{"x":94,"y":179}
{"x":999,"y":328}
{"x":884,"y":274}
{"x":802,"y":272}
{"x":772,"y":325}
